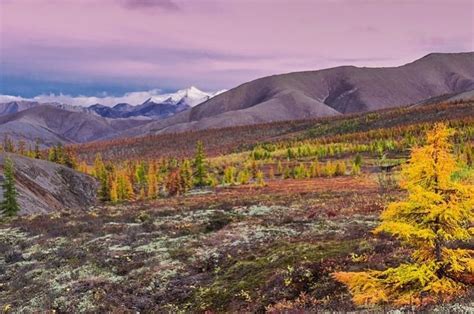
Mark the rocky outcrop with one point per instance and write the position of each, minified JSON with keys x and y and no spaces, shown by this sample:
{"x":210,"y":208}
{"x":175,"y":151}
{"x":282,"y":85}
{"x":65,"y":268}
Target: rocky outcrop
{"x":44,"y":186}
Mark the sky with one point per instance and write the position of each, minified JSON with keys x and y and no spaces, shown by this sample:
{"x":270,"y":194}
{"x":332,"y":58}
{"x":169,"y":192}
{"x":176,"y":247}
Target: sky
{"x":111,"y":47}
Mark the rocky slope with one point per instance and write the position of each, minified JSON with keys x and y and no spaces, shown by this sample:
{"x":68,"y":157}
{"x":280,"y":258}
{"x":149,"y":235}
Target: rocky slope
{"x":45,"y":187}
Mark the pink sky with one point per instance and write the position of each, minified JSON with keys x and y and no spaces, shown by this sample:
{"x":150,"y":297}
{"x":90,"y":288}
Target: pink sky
{"x":218,"y":44}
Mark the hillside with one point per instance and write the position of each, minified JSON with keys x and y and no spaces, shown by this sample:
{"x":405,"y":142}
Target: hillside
{"x":45,"y":187}
{"x":335,"y":91}
{"x":53,"y":125}
{"x":235,"y":139}
{"x":293,"y":96}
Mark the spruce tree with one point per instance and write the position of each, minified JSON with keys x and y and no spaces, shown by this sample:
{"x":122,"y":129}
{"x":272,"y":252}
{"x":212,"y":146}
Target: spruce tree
{"x":140,"y":175}
{"x":9,"y":205}
{"x":100,"y":172}
{"x":434,"y":220}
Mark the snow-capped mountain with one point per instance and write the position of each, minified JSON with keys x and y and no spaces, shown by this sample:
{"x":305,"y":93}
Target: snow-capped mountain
{"x":151,"y":104}
{"x":191,"y":96}
{"x":157,"y":106}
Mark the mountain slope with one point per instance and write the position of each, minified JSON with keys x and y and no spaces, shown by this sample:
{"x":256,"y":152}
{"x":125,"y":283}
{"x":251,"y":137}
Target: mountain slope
{"x":334,"y":91}
{"x":44,"y":186}
{"x":15,"y":106}
{"x":54,"y":125}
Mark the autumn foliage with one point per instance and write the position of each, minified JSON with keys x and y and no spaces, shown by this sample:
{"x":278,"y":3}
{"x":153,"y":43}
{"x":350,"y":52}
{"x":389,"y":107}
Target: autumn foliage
{"x":435,"y":219}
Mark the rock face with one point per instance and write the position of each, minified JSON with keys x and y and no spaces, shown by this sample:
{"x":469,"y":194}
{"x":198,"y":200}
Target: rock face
{"x":44,"y":186}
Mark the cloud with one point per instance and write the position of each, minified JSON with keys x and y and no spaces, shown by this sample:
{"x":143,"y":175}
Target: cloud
{"x":214,"y":43}
{"x":133,"y":98}
{"x":150,"y":4}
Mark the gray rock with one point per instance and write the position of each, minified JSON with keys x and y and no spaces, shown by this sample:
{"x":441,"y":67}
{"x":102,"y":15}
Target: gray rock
{"x":45,"y":187}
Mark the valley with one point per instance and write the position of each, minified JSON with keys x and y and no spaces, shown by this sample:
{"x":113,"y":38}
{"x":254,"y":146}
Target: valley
{"x":284,"y":206}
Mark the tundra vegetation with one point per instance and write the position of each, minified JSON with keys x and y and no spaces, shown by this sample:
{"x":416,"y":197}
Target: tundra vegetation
{"x":278,"y":217}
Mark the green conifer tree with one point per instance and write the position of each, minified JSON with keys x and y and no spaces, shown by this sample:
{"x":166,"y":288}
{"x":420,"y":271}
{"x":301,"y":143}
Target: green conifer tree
{"x":101,"y":174}
{"x":186,"y":175}
{"x":200,"y":165}
{"x":9,"y":205}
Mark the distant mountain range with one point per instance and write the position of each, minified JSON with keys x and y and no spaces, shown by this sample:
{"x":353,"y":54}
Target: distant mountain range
{"x":156,"y":107}
{"x":54,"y":123}
{"x":299,"y":95}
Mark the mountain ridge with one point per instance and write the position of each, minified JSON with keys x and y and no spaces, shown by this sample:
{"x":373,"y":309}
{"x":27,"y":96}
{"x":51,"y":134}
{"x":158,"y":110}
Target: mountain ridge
{"x":282,"y":97}
{"x":53,"y":125}
{"x":333,"y":91}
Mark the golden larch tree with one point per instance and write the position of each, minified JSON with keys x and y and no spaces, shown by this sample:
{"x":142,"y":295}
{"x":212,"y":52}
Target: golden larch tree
{"x":124,"y":186}
{"x":152,"y":181}
{"x":434,"y":220}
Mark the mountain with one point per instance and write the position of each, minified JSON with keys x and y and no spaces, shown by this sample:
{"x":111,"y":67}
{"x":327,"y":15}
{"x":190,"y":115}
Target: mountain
{"x":191,"y":96}
{"x":20,"y":105}
{"x":54,"y":125}
{"x":148,"y":109}
{"x":156,"y":107}
{"x":15,"y":106}
{"x":450,"y":97}
{"x":161,"y":110}
{"x":45,"y":187}
{"x":122,"y":107}
{"x":104,"y":111}
{"x":329,"y":92}
{"x":300,"y":95}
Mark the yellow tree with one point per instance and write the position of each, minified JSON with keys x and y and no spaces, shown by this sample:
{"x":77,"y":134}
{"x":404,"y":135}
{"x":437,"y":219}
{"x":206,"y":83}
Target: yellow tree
{"x":435,"y":218}
{"x":83,"y":167}
{"x":151,"y":181}
{"x":113,"y":191}
{"x":259,"y":179}
{"x":124,"y":186}
{"x":186,"y":173}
